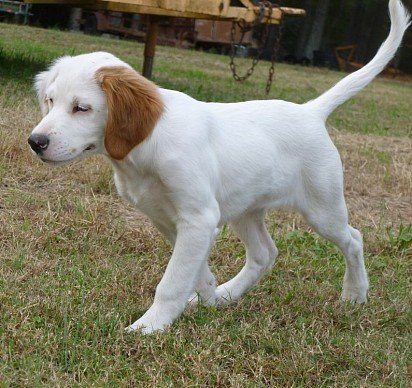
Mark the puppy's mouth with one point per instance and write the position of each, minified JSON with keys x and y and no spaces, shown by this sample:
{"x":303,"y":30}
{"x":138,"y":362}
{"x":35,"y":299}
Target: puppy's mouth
{"x":89,"y":148}
{"x":57,"y":162}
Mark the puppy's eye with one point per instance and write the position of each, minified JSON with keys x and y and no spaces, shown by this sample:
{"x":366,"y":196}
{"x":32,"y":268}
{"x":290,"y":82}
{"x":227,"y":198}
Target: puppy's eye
{"x":79,"y":108}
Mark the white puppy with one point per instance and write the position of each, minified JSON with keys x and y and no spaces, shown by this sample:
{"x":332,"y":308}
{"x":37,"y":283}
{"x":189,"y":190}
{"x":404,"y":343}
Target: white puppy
{"x":193,"y":166}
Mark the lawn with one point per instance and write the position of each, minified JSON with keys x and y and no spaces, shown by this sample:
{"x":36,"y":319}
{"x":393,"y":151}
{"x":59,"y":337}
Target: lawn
{"x":77,"y":264}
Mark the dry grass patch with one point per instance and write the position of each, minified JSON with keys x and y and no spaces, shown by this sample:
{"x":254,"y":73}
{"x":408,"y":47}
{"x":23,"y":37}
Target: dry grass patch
{"x":378,"y":178}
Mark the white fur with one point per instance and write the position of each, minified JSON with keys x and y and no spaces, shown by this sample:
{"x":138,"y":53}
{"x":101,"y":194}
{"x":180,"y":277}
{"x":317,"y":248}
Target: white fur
{"x":207,"y":164}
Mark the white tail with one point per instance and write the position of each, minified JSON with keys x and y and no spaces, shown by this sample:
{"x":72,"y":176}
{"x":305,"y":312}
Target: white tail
{"x":326,"y":103}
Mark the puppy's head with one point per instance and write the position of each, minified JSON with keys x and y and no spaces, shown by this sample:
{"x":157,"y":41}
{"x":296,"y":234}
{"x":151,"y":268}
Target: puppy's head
{"x":93,"y":103}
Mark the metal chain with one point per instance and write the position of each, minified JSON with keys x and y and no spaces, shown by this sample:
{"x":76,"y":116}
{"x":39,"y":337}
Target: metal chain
{"x":275,"y":51}
{"x":244,"y":27}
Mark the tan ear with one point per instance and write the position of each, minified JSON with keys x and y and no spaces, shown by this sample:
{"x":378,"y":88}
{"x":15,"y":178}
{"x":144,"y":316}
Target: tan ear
{"x":134,"y":106}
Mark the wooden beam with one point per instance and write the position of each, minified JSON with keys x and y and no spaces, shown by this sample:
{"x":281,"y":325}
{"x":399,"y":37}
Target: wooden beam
{"x":293,"y":11}
{"x":210,"y":8}
{"x":196,"y":9}
{"x":247,"y":3}
{"x":150,"y":45}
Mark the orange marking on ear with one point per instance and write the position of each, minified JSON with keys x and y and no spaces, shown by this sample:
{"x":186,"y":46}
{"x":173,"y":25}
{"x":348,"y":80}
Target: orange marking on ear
{"x":134,"y":106}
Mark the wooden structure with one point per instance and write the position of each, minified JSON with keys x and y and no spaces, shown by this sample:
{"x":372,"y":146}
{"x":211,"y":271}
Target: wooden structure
{"x":344,"y":56}
{"x":232,"y":10}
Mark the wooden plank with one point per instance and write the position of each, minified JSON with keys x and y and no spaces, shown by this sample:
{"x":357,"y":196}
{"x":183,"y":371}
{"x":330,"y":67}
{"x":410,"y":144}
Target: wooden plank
{"x":80,"y":3}
{"x":240,"y":13}
{"x":197,"y":9}
{"x":293,"y":11}
{"x":174,"y":5}
{"x":247,"y":3}
{"x":217,"y":8}
{"x":64,"y":2}
{"x":232,"y":13}
{"x":117,"y":6}
{"x":121,"y":7}
{"x":249,"y":16}
{"x":211,"y":7}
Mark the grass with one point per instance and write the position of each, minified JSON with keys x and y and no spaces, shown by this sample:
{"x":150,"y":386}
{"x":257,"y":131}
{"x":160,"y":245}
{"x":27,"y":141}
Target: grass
{"x":77,"y":264}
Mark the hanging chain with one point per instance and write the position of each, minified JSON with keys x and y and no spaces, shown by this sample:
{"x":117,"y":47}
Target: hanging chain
{"x":244,"y":27}
{"x":275,"y":51}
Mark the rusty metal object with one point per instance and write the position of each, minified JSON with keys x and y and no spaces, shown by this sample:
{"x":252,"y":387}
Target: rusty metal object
{"x":244,"y":27}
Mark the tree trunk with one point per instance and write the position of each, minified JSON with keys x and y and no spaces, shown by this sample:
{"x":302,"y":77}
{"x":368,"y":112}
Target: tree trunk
{"x":304,"y":30}
{"x":354,"y":28}
{"x":315,"y":37}
{"x":75,"y":16}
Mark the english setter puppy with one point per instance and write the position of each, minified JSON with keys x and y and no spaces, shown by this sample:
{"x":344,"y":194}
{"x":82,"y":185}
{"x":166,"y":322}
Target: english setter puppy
{"x":193,"y":166}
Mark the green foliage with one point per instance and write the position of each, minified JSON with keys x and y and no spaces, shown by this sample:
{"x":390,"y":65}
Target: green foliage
{"x":402,"y":239}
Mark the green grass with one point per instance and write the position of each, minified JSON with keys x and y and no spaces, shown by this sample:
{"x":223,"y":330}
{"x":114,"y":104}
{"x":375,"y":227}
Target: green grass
{"x":77,"y":265}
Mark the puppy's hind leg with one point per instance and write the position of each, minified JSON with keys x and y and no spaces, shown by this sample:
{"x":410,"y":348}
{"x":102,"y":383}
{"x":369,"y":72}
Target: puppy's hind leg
{"x":325,"y":210}
{"x":261,"y":253}
{"x":355,"y":282}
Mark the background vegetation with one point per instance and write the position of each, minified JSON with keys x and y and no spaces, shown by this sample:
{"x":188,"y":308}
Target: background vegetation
{"x":334,"y":23}
{"x":77,"y":264}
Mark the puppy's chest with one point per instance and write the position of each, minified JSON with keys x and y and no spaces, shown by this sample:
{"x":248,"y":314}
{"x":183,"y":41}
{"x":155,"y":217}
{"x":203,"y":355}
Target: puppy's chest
{"x":146,"y":193}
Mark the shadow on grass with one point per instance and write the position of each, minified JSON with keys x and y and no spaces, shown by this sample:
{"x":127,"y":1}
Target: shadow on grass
{"x":20,"y":67}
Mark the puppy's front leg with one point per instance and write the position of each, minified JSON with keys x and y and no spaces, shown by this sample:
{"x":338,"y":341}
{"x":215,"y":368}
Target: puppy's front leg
{"x":193,"y":242}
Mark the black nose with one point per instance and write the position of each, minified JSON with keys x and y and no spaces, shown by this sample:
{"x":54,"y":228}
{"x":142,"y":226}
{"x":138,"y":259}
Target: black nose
{"x":38,"y":143}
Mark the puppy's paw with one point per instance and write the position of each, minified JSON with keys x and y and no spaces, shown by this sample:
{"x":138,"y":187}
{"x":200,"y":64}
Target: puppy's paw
{"x":355,"y":294}
{"x":150,"y":322}
{"x":224,"y":296}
